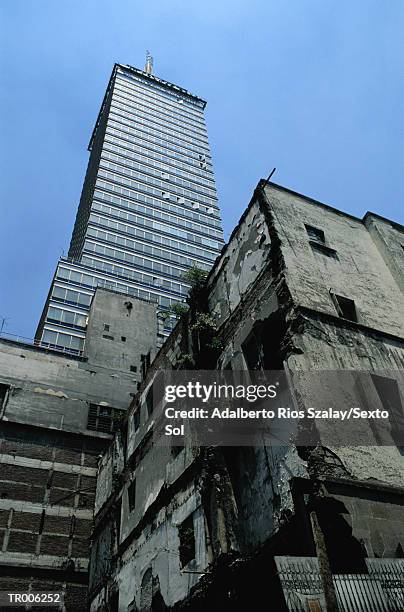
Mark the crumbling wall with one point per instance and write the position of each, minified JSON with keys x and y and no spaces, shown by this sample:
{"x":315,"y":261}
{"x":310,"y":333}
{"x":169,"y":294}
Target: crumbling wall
{"x":376,"y":518}
{"x":156,"y":548}
{"x":239,"y":265}
{"x":271,"y":286}
{"x":110,"y":467}
{"x":327,"y":347}
{"x":356,"y":270}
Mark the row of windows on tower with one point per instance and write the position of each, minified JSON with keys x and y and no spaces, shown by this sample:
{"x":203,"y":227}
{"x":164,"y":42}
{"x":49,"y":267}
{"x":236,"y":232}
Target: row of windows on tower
{"x":131,"y":151}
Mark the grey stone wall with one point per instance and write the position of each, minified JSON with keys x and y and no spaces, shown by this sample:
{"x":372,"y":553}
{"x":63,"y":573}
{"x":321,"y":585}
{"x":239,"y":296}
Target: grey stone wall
{"x":49,"y":453}
{"x":270,"y":284}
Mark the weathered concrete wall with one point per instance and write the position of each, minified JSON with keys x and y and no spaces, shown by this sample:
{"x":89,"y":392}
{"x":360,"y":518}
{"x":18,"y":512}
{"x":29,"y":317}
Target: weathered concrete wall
{"x":158,"y":549}
{"x":49,"y":448}
{"x":376,"y":519}
{"x":360,"y":272}
{"x":52,"y":390}
{"x":120,"y":329}
{"x":110,"y":465}
{"x":327,"y":347}
{"x":239,"y":265}
{"x":270,"y":286}
{"x":388,"y":238}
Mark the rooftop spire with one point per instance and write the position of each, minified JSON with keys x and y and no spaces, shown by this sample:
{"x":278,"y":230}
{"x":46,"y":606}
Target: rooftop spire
{"x":149,"y":63}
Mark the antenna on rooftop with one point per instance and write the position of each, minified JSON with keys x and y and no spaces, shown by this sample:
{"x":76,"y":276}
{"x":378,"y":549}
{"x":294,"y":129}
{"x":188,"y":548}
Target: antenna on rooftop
{"x":3,"y":323}
{"x":270,"y":176}
{"x":149,"y":63}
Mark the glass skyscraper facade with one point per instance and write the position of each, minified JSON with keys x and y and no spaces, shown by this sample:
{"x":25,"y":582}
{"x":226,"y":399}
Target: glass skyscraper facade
{"x":148,"y":208}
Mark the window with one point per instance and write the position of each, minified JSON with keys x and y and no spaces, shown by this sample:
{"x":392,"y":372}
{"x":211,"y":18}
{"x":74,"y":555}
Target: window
{"x":133,"y":368}
{"x":114,"y":601}
{"x":315,"y":234}
{"x":107,"y":337}
{"x":186,"y":535}
{"x":132,"y":495}
{"x":66,"y":317}
{"x":145,"y":363}
{"x":155,"y":393}
{"x":4,"y":389}
{"x":55,"y":339}
{"x":345,"y":307}
{"x":103,"y":418}
{"x":252,"y":352}
{"x":136,"y":419}
{"x":389,"y":394}
{"x":123,"y":338}
{"x":149,"y":401}
{"x":106,"y":327}
{"x":175,"y":450}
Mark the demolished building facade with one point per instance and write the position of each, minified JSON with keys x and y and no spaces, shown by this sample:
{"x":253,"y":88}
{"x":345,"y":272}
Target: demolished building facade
{"x":58,"y":412}
{"x":300,"y":286}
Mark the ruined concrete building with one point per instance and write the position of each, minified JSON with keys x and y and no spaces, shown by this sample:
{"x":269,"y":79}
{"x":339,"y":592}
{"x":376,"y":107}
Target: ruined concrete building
{"x":300,"y":286}
{"x":57,"y":414}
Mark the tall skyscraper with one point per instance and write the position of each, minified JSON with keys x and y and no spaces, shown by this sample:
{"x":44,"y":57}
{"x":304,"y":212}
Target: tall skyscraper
{"x":148,"y":208}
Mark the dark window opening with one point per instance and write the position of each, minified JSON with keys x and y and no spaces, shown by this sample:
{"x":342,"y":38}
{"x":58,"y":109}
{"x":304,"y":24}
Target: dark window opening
{"x":106,"y":327}
{"x":272,"y":336}
{"x":345,"y":551}
{"x":155,"y":393}
{"x":136,"y":419}
{"x":252,"y":352}
{"x":145,"y":363}
{"x":389,"y":394}
{"x":133,"y":368}
{"x":107,"y":337}
{"x":175,"y":450}
{"x":158,"y":604}
{"x":186,"y":534}
{"x":132,"y":495}
{"x":324,"y":250}
{"x":114,"y":601}
{"x":149,"y":401}
{"x":123,"y":338}
{"x":262,"y":349}
{"x":4,"y":389}
{"x":315,"y":234}
{"x":118,"y":520}
{"x":345,"y":307}
{"x":103,"y":418}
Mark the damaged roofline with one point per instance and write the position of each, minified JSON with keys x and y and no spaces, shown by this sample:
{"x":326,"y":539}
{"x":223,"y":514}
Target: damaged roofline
{"x":332,"y":208}
{"x":262,"y":183}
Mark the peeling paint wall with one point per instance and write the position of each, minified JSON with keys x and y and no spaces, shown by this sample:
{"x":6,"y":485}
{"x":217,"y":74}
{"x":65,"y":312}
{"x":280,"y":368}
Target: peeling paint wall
{"x":271,"y":285}
{"x":360,"y":272}
{"x":239,"y":265}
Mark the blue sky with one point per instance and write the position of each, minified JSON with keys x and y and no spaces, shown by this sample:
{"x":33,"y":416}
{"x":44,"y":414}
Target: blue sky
{"x":313,"y":87}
